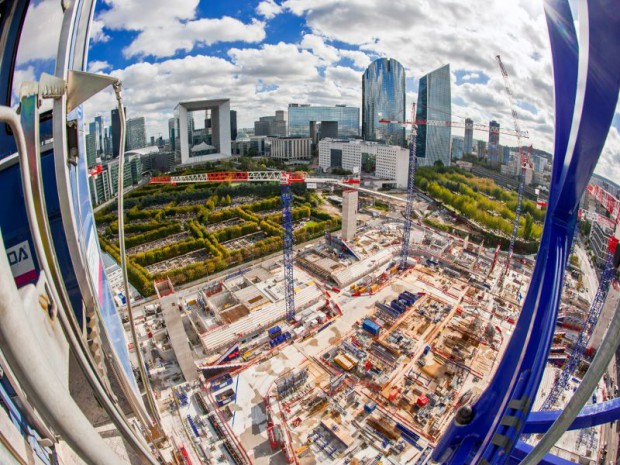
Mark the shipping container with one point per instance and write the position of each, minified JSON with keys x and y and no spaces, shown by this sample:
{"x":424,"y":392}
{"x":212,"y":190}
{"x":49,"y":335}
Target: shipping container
{"x":344,"y":362}
{"x":370,"y":407}
{"x":398,"y":306}
{"x":221,"y":382}
{"x":406,"y":299}
{"x":389,"y":310}
{"x":371,"y":327}
{"x":225,"y":397}
{"x":274,"y":332}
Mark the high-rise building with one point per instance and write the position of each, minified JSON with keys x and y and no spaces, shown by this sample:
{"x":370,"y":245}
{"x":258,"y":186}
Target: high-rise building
{"x":99,"y":135}
{"x":291,"y":148}
{"x":505,"y":154}
{"x":107,"y":142}
{"x":116,"y":130}
{"x":233,"y":124}
{"x":136,"y":133}
{"x":540,"y":163}
{"x":391,"y":161}
{"x":434,"y":103}
{"x":481,"y":148}
{"x":273,"y":126}
{"x":172,"y":133}
{"x":456,"y":152}
{"x":91,"y":149}
{"x":204,"y":145}
{"x":383,"y":97}
{"x":468,"y":141}
{"x":493,"y":146}
{"x":349,"y":214}
{"x":319,"y":122}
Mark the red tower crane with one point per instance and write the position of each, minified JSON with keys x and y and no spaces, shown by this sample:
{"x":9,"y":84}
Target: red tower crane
{"x":285,"y":179}
{"x":413,"y":163}
{"x":524,"y":158}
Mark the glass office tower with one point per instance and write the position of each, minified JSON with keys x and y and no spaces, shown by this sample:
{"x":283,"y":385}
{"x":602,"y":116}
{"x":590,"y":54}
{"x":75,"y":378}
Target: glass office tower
{"x":493,"y":146}
{"x":383,"y":97}
{"x":319,"y":122}
{"x":434,"y":103}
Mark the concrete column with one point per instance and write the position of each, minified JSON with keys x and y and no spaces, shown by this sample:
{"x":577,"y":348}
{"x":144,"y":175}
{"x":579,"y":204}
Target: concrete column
{"x":349,"y":214}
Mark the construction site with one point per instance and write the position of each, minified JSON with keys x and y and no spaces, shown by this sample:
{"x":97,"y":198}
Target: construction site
{"x":360,"y":346}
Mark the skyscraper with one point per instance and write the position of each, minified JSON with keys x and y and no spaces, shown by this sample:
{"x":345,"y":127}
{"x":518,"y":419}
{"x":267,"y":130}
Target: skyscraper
{"x":434,"y":103}
{"x":233,"y":124}
{"x":136,"y":133}
{"x":99,"y":135}
{"x":91,"y":149}
{"x":319,"y":122}
{"x":468,"y":142}
{"x":493,"y":146}
{"x":457,"y":148}
{"x":172,"y":133}
{"x":116,"y":130}
{"x":383,"y":97}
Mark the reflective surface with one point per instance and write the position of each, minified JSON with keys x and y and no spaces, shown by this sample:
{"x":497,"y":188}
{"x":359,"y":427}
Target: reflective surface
{"x":383,"y":97}
{"x":300,"y":118}
{"x":434,"y":103}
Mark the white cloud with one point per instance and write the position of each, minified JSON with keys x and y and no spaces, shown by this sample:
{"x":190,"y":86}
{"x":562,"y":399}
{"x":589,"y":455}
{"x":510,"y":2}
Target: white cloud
{"x":258,"y":81}
{"x":135,"y":15}
{"x":98,"y":66}
{"x":41,"y":32}
{"x":268,"y":9}
{"x":165,"y":41}
{"x":19,"y":77}
{"x":162,"y":30}
{"x":422,"y":35}
{"x":471,"y":76}
{"x":318,"y":46}
{"x":96,"y":32}
{"x":275,"y":63}
{"x":359,"y":58}
{"x":609,"y":163}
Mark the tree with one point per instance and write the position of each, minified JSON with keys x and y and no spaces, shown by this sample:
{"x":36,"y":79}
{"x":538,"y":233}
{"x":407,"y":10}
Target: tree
{"x":527,"y":228}
{"x":585,"y":227}
{"x":574,"y":260}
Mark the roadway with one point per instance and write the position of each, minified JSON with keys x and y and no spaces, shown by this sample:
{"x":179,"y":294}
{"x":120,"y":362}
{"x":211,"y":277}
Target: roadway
{"x":590,"y":280}
{"x":609,"y":433}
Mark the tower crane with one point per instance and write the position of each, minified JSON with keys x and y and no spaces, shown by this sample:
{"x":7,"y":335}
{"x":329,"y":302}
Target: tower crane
{"x":579,"y":348}
{"x":612,"y":205}
{"x":285,"y":179}
{"x":524,"y":158}
{"x":413,"y":161}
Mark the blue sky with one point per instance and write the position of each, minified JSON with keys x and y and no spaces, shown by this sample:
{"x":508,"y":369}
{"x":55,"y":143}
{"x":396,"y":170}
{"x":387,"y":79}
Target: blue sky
{"x":265,"y":54}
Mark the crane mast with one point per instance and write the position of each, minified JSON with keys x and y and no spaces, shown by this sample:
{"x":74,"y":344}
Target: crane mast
{"x":286,"y":197}
{"x":523,"y":161}
{"x":404,"y":252}
{"x":579,"y":348}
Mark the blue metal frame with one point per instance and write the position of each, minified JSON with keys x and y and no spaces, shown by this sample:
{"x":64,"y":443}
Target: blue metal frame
{"x":591,"y":415}
{"x":579,"y":348}
{"x":7,"y":395}
{"x":286,"y":197}
{"x":586,"y":90}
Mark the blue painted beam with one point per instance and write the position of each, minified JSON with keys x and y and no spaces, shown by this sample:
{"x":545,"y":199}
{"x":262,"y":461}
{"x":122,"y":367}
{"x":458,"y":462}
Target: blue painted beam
{"x":587,"y":80}
{"x":591,"y":415}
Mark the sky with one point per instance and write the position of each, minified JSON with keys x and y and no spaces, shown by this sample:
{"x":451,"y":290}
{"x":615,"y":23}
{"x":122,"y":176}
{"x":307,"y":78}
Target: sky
{"x":265,"y":54}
